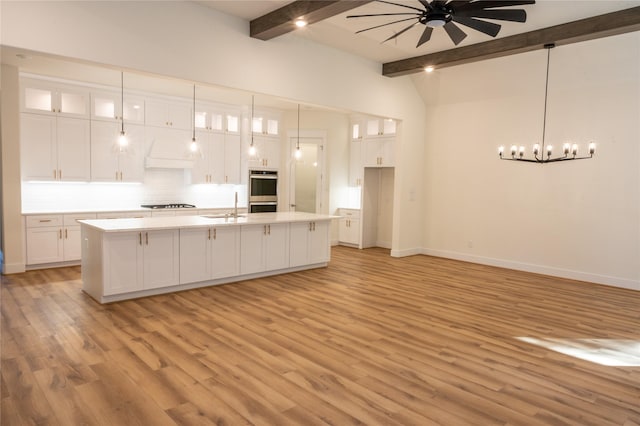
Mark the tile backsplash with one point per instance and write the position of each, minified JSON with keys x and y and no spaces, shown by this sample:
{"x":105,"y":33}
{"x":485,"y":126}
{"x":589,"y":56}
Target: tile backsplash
{"x":160,"y":186}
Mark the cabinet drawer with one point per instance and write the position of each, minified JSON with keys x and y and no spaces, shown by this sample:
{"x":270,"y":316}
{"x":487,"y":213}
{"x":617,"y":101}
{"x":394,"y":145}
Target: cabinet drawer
{"x":349,"y":213}
{"x":71,"y":219}
{"x":39,"y":221}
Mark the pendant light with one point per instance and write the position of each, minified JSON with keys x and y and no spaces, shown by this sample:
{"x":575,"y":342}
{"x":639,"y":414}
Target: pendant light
{"x":569,"y":151}
{"x":252,"y":148}
{"x":122,"y":139}
{"x":298,"y":153}
{"x":193,"y":147}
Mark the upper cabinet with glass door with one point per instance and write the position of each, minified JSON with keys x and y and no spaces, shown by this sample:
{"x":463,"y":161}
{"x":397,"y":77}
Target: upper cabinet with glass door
{"x":108,"y":106}
{"x":266,"y":123}
{"x":49,"y":97}
{"x":216,"y":118}
{"x":380,"y":127}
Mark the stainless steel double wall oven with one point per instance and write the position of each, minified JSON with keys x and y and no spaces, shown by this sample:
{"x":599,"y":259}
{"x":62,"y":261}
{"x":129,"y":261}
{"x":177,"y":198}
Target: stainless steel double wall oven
{"x":263,"y":191}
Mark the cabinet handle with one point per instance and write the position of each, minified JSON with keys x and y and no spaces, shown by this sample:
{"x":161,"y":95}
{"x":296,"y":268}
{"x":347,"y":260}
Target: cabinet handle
{"x":66,"y":234}
{"x":60,"y":233}
{"x":209,"y":234}
{"x":269,"y":226}
{"x":44,"y":220}
{"x":146,"y":238}
{"x":59,"y":174}
{"x":264,"y":229}
{"x":140,"y":237}
{"x":314,"y":226}
{"x":215,"y":233}
{"x":120,"y":176}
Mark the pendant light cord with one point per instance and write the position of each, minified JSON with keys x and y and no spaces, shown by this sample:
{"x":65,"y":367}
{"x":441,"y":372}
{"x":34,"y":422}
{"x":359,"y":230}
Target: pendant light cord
{"x":194,"y":113}
{"x":122,"y":102}
{"x":298,"y":141}
{"x":546,"y":90}
{"x":251,"y":123}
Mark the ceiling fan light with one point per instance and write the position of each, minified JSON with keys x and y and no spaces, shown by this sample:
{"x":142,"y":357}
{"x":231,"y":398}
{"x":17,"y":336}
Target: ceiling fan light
{"x":436,"y":23}
{"x":429,"y":69}
{"x":300,"y":22}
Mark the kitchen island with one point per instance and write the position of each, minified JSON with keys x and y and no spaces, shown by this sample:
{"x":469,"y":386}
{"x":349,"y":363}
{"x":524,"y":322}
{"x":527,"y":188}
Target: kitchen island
{"x":129,"y":258}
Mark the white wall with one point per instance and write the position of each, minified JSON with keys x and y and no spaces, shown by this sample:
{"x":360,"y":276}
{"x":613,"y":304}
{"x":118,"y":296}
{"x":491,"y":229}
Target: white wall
{"x":191,"y":42}
{"x":578,"y":219}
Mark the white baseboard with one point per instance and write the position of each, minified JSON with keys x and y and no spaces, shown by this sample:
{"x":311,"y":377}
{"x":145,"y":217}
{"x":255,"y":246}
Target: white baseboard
{"x":406,"y":252}
{"x":13,"y":268}
{"x":538,"y":269}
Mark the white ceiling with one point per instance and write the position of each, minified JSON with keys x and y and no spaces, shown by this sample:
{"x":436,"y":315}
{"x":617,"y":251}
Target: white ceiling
{"x":339,"y":32}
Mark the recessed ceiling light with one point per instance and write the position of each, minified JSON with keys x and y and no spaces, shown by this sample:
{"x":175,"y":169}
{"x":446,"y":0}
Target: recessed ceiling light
{"x":301,"y":23}
{"x":430,"y":68}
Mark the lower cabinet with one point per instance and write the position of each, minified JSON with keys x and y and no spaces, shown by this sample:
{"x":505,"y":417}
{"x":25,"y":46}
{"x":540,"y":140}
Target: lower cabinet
{"x":54,"y":238}
{"x":209,"y":253}
{"x":349,"y":227}
{"x":308,"y":243}
{"x":141,"y":260}
{"x":264,"y":247}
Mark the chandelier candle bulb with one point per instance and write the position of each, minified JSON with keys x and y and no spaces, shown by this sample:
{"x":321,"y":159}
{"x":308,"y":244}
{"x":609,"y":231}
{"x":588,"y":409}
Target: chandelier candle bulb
{"x":565,"y":148}
{"x":592,"y":148}
{"x":514,"y":150}
{"x":536,"y":149}
{"x":501,"y":150}
{"x":574,"y":149}
{"x":549,"y":150}
{"x":521,"y":151}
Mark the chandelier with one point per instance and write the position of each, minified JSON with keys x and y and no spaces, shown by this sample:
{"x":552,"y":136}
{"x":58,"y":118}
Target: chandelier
{"x":544,"y":153}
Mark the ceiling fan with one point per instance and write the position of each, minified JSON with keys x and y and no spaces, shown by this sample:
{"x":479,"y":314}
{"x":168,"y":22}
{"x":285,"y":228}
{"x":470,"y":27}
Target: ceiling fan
{"x":444,"y":13}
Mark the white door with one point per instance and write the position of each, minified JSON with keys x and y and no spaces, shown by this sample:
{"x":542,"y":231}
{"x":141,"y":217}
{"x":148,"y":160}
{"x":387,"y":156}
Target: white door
{"x":38,"y":147}
{"x":225,"y":252}
{"x":251,"y":248}
{"x":122,"y":262}
{"x":74,"y":150}
{"x":276,"y":249}
{"x":308,"y":171}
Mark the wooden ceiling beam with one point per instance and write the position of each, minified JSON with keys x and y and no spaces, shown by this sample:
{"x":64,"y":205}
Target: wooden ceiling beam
{"x":624,"y":21}
{"x":281,"y":21}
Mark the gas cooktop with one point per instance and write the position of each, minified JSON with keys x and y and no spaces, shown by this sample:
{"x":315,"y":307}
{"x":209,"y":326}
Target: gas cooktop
{"x":168,"y":206}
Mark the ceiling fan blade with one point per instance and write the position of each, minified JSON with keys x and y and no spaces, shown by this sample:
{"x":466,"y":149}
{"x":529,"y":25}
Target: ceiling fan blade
{"x":488,"y":28}
{"x":455,"y":33}
{"x":426,"y":4}
{"x":397,"y":34}
{"x":384,"y":25}
{"x":513,"y":15}
{"x":454,"y":4}
{"x":399,"y":4}
{"x":425,"y":37}
{"x":384,"y":14}
{"x":487,"y":4}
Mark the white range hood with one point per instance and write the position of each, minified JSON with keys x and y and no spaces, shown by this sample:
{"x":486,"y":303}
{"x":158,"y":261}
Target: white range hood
{"x":168,"y":150}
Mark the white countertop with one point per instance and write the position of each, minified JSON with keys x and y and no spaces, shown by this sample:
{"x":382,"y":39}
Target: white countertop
{"x":173,"y":222}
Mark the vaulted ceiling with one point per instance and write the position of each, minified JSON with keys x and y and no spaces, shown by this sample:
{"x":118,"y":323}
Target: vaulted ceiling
{"x":548,"y":21}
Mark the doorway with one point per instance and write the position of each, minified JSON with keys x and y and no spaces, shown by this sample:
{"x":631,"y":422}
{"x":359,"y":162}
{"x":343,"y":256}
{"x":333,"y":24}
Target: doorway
{"x":307,"y":174}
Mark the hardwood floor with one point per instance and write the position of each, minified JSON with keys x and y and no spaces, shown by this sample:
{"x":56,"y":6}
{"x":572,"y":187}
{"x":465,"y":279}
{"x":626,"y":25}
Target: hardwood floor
{"x":369,"y":340}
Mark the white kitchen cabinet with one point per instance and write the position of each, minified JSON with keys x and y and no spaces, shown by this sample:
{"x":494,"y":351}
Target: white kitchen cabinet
{"x":379,"y":152}
{"x":267,"y":153}
{"x":217,"y":119}
{"x":220,"y":160}
{"x":44,"y":239}
{"x":356,"y":170}
{"x":349,"y":227}
{"x":209,"y":253}
{"x":380,"y":127}
{"x":53,"y":238}
{"x":264,"y":247}
{"x":168,"y":113}
{"x":54,"y":148}
{"x":51,"y":98}
{"x":309,"y":243}
{"x":266,"y":123}
{"x":72,"y":249}
{"x":108,"y":106}
{"x":109,"y":163}
{"x":140,"y":260}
